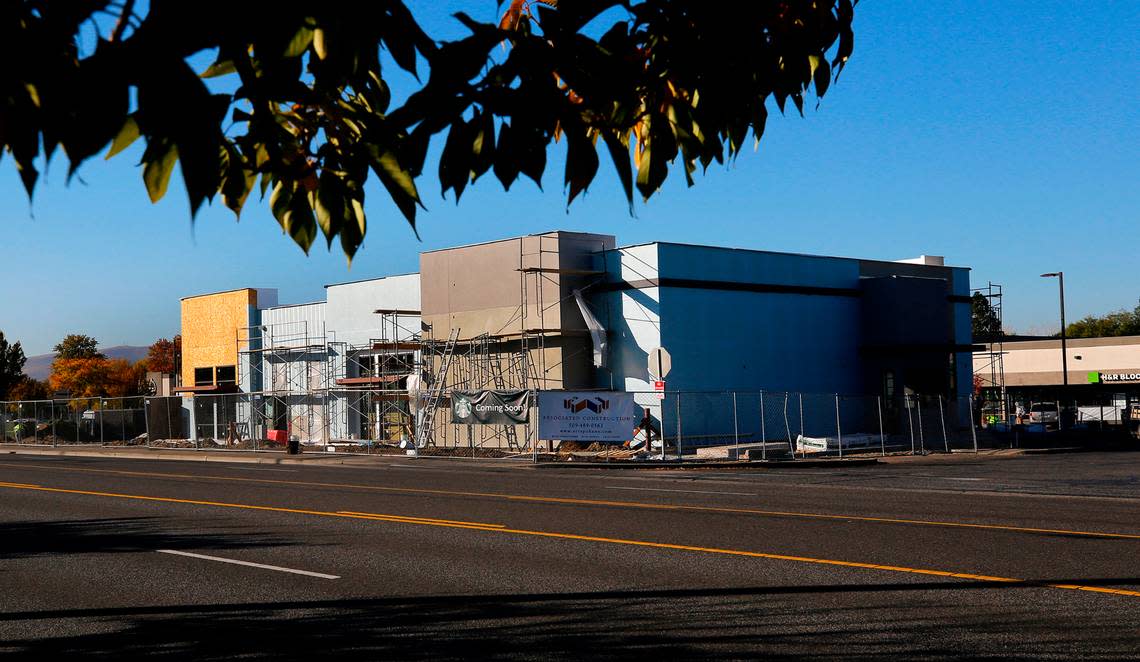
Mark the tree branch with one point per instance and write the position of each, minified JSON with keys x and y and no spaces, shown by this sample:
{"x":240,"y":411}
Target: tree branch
{"x":124,"y":20}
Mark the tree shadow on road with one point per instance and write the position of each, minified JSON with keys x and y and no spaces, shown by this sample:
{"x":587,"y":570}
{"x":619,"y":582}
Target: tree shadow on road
{"x":118,"y":534}
{"x":937,"y":620}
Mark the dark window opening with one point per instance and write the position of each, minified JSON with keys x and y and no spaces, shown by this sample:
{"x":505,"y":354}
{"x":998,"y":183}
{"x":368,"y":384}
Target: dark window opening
{"x":226,"y":374}
{"x":203,"y":376}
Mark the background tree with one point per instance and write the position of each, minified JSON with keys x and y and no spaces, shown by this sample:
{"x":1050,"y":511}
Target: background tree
{"x":29,"y":389}
{"x":84,"y":377}
{"x":310,"y":117}
{"x":161,"y":355}
{"x":1119,"y":323}
{"x":77,"y":346}
{"x":983,"y":318}
{"x":12,"y":361}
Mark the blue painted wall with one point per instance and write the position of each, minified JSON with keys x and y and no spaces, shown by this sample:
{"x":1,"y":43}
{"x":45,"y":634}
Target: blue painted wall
{"x":730,"y":340}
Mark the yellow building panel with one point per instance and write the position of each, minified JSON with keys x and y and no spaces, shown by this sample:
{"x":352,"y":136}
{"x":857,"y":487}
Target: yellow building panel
{"x":210,"y":326}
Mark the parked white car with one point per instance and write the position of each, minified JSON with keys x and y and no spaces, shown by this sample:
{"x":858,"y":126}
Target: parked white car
{"x":1043,"y":412}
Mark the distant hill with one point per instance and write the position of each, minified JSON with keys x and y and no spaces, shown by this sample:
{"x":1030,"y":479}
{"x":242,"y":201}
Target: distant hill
{"x":39,"y":366}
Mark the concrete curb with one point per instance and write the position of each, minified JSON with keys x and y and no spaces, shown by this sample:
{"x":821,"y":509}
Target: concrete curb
{"x":744,"y":466}
{"x":187,"y":456}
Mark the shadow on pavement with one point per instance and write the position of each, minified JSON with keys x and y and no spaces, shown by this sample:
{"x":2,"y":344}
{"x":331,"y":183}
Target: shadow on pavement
{"x":929,"y":620}
{"x":121,"y":534}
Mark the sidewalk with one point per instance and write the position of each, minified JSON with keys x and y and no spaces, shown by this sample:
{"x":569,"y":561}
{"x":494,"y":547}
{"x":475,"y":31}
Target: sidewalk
{"x":279,"y":457}
{"x":191,"y":455}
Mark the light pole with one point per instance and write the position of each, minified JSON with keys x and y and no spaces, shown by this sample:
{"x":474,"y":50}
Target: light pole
{"x":1060,"y":275}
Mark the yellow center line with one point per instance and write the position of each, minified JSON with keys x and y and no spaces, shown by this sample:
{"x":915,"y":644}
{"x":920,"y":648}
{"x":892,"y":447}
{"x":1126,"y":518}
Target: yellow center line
{"x":421,"y":519}
{"x":600,"y":502}
{"x":453,"y":524}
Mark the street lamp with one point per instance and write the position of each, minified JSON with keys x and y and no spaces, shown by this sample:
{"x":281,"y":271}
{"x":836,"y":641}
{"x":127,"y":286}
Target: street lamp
{"x":1064,"y":354}
{"x":1060,"y":276}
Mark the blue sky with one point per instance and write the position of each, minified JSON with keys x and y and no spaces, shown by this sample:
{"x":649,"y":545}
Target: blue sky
{"x":1002,"y":135}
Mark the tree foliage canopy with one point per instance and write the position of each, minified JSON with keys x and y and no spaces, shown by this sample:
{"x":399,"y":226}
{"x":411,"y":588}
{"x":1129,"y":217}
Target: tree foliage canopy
{"x":985,"y":324}
{"x":162,"y":354}
{"x":647,"y":83}
{"x":1119,"y":323}
{"x":77,"y":346}
{"x":12,"y":361}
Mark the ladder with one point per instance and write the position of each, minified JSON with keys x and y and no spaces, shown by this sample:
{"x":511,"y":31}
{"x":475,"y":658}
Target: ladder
{"x":435,"y":392}
{"x":500,"y":385}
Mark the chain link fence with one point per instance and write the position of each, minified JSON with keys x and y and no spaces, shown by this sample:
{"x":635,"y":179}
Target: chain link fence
{"x":725,"y":425}
{"x":68,"y":422}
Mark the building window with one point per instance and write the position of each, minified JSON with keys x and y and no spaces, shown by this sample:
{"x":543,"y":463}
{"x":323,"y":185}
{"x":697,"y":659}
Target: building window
{"x":226,"y":374}
{"x":888,"y":384}
{"x":203,"y":376}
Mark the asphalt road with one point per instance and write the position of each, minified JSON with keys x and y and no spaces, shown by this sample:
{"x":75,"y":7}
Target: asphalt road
{"x":1028,"y":557}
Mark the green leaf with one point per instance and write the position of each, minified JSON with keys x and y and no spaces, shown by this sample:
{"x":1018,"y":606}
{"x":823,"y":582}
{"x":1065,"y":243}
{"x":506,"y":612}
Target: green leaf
{"x":329,"y":204}
{"x":238,"y":180}
{"x":822,"y":76}
{"x":300,"y":42}
{"x":352,"y":232}
{"x":127,"y":135}
{"x":506,"y":158}
{"x":399,"y":182}
{"x":294,"y":214}
{"x":619,"y":153}
{"x":581,"y":160}
{"x":219,"y":68}
{"x":483,"y":145}
{"x":320,"y":47}
{"x":156,"y":174}
{"x":455,"y":161}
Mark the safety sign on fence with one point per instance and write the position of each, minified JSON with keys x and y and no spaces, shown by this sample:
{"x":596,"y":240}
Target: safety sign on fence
{"x":586,"y":415}
{"x":490,"y":407}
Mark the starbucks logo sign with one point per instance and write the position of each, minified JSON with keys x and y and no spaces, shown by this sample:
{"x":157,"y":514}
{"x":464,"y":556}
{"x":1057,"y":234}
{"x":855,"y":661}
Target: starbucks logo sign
{"x":463,"y":408}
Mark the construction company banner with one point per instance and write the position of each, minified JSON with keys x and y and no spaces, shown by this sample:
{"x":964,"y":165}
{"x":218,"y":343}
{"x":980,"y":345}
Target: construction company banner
{"x":586,"y":415}
{"x":490,"y":407}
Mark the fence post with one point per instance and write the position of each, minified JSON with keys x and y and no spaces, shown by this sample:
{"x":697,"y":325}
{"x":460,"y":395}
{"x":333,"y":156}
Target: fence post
{"x":909,"y":420}
{"x":679,"y":456}
{"x":736,"y":424}
{"x":102,"y":408}
{"x":787,"y":426}
{"x":533,"y":438}
{"x":53,"y":439}
{"x":801,"y":397}
{"x":838,"y":427}
{"x":942,"y":419}
{"x":763,"y":430}
{"x":973,"y":423}
{"x":882,"y":439}
{"x":146,"y":420}
{"x":921,"y":436}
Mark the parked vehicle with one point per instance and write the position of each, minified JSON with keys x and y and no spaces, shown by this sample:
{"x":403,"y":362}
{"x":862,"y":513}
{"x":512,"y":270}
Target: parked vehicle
{"x":1044,"y":413}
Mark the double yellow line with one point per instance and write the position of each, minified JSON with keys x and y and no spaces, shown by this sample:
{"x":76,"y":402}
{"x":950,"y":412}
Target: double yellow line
{"x":600,"y":502}
{"x":501,"y":528}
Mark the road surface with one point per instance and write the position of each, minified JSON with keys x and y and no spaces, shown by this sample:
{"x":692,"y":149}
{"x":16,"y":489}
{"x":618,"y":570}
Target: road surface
{"x":1029,"y":557}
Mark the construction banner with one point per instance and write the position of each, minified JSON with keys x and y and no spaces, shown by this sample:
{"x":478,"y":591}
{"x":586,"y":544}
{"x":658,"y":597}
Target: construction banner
{"x":586,"y":415}
{"x":490,"y":407}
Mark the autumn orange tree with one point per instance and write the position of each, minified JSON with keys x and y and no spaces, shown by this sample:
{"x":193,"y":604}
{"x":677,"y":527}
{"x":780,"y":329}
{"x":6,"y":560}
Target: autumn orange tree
{"x":649,"y":84}
{"x":81,"y":371}
{"x":161,"y":355}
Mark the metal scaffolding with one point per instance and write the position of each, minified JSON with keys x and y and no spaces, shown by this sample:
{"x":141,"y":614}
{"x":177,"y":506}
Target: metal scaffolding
{"x":991,"y":372}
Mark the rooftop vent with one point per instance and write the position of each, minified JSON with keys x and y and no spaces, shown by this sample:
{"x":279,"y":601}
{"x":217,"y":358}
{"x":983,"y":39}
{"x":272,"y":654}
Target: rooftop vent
{"x":928,"y":260}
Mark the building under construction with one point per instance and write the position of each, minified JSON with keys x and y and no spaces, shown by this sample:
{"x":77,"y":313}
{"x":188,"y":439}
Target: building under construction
{"x":376,"y":361}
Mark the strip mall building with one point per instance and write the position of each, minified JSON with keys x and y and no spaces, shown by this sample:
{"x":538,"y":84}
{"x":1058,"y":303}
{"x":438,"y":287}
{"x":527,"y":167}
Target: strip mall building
{"x":1103,"y":373}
